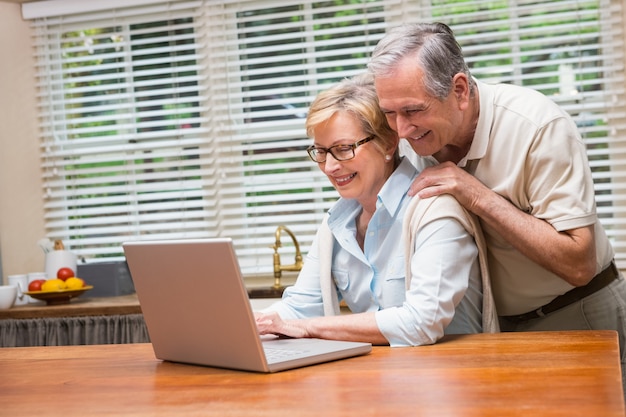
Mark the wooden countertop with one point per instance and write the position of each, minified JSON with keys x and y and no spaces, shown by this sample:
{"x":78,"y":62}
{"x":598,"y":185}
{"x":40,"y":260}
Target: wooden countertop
{"x":508,"y":374}
{"x":96,"y":306}
{"x":80,"y":306}
{"x":85,"y":306}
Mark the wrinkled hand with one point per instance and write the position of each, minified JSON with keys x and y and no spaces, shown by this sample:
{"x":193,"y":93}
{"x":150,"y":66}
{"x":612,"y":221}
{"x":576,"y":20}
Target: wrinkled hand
{"x":447,"y":178}
{"x":271,"y":323}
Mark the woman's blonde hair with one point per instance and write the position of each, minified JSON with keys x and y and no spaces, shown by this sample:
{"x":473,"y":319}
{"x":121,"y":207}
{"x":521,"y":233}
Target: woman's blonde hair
{"x":356,"y":96}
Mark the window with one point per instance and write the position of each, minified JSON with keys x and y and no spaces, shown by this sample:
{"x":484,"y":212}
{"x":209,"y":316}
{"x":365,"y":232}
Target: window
{"x":185,"y":119}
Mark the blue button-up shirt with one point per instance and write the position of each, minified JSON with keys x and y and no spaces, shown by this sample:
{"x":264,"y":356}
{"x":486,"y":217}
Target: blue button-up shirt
{"x":373,"y":279}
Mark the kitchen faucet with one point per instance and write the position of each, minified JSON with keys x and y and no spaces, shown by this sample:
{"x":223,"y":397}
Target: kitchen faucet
{"x":278,"y":268}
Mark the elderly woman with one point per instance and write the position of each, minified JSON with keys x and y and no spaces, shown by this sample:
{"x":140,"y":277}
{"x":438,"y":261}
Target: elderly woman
{"x":405,"y":284}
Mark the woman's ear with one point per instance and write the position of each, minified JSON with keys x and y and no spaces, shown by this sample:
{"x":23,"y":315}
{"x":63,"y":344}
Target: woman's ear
{"x":393,"y":146}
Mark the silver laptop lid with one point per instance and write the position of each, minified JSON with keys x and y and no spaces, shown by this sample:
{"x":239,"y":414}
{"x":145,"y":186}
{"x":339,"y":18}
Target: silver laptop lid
{"x":194,"y":303}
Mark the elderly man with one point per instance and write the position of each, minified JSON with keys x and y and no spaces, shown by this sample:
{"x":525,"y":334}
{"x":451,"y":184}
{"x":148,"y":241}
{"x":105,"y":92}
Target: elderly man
{"x":516,"y":160}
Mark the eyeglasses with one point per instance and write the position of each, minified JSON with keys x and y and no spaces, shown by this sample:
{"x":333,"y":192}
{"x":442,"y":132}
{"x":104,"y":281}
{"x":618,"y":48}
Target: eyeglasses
{"x":339,"y":152}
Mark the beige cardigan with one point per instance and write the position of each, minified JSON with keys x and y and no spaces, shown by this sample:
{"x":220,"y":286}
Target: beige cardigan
{"x":418,"y":213}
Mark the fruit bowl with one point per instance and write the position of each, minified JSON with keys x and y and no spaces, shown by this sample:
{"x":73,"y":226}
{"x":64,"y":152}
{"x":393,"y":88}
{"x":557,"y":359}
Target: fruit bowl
{"x":58,"y":297}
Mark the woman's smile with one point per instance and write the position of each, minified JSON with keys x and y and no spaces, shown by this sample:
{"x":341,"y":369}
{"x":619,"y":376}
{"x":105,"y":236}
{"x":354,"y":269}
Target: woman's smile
{"x":344,"y":179}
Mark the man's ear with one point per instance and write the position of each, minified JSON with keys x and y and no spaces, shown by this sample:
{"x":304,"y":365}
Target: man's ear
{"x":461,"y":89}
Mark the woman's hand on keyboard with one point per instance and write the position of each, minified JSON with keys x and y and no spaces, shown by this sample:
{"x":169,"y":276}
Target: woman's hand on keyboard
{"x":271,"y":323}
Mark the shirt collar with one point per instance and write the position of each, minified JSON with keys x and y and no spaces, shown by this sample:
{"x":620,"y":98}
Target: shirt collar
{"x":480,"y":142}
{"x":389,"y":197}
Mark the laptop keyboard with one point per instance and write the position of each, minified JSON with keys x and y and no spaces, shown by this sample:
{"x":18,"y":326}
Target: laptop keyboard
{"x":273,"y":354}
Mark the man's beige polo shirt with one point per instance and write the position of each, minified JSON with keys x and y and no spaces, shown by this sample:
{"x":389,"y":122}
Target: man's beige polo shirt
{"x":529,"y":151}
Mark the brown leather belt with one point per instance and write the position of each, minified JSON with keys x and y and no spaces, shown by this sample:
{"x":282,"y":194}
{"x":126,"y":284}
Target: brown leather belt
{"x":604,"y":278}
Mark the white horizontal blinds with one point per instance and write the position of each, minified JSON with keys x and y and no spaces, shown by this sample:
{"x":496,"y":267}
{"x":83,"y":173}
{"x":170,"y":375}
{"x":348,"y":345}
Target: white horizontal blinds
{"x":273,"y":58}
{"x":186,"y":118}
{"x":570,"y":50}
{"x":125,"y":147}
{"x":610,"y":157}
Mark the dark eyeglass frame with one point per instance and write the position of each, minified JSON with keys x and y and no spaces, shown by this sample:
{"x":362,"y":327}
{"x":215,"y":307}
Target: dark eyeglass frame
{"x":312,"y":149}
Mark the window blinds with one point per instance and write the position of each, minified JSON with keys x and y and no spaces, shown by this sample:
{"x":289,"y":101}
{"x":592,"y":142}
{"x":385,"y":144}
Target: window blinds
{"x":185,"y":119}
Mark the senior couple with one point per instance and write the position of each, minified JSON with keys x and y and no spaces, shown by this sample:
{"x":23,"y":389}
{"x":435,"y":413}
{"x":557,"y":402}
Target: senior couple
{"x":490,"y":226}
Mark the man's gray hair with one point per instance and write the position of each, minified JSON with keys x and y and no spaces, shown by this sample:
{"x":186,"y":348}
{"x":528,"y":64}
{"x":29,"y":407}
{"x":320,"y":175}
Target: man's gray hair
{"x":435,"y":50}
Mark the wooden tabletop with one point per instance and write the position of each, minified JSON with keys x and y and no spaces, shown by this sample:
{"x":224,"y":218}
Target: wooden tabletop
{"x":80,"y":306}
{"x":508,"y":374}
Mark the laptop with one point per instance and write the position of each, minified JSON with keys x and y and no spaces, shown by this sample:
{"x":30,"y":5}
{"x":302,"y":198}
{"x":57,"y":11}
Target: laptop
{"x":196,"y":309}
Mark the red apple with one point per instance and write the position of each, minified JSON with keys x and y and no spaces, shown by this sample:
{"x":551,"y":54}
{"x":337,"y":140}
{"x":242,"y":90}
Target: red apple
{"x":35,"y":285}
{"x":65,"y":273}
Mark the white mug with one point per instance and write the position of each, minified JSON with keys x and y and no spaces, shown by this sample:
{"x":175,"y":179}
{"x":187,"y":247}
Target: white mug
{"x":58,"y":259}
{"x":8,"y":295}
{"x":21,"y":282}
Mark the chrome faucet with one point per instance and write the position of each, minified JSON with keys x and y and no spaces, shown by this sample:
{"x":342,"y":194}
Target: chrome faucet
{"x":278,"y":268}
